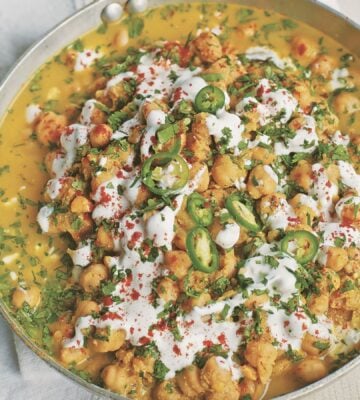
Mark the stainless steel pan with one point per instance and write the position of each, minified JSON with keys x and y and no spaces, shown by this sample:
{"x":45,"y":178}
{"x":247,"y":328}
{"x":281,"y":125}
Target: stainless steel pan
{"x":311,"y":12}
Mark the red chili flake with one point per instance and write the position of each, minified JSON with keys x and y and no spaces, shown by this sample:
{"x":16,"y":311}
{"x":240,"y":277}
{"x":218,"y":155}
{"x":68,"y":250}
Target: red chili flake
{"x":208,"y":343}
{"x":153,"y":139}
{"x":110,"y":315}
{"x":144,"y":340}
{"x":132,"y":330}
{"x":129,"y":225}
{"x":120,"y":174}
{"x":134,"y":294}
{"x":176,"y":349}
{"x":135,"y":237}
{"x":107,"y":301}
{"x":177,"y":94}
{"x":301,"y":49}
{"x":346,"y":222}
{"x":128,"y":280}
{"x":127,"y":168}
{"x":260,"y":91}
{"x":222,"y":338}
{"x":152,"y":70}
{"x":317,"y":332}
{"x":328,"y":184}
{"x":104,"y":197}
{"x":286,"y":323}
{"x":304,"y":327}
{"x":299,"y":315}
{"x":283,"y":341}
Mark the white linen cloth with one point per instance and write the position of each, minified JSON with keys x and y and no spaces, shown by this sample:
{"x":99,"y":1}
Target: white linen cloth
{"x":23,"y":375}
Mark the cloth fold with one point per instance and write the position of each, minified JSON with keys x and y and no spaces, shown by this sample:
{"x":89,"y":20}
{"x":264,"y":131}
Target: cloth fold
{"x":23,"y":375}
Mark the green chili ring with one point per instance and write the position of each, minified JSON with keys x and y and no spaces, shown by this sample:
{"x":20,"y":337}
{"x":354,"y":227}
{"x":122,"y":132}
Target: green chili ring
{"x":162,"y":159}
{"x":241,"y":213}
{"x":202,"y":250}
{"x":200,"y":214}
{"x":306,"y":244}
{"x":209,"y":99}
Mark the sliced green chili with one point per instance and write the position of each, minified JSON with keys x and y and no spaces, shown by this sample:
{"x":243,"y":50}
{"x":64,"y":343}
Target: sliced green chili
{"x":209,"y":99}
{"x":163,"y":166}
{"x":241,"y":213}
{"x":202,"y":250}
{"x":302,"y":245}
{"x":200,"y":210}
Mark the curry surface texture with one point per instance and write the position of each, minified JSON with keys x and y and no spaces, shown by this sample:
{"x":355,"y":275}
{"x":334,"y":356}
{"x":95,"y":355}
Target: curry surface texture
{"x":180,"y":205}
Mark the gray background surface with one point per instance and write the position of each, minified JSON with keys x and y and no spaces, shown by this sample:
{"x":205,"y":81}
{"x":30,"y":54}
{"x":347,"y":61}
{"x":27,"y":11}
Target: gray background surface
{"x":22,"y":374}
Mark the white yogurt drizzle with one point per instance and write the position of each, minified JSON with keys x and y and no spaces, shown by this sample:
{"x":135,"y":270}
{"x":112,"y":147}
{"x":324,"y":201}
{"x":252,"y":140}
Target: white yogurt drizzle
{"x":85,"y":59}
{"x":262,"y":53}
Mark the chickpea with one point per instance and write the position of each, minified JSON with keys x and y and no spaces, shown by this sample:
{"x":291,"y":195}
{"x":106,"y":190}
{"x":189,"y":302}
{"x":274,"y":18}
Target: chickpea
{"x":330,"y":281}
{"x":200,"y":301}
{"x":218,"y":381}
{"x":104,"y":238}
{"x":80,"y":205}
{"x":49,"y":127}
{"x":198,"y":140}
{"x":282,"y":367}
{"x":208,"y":47}
{"x":302,"y":175}
{"x":189,"y":382}
{"x":304,"y":49}
{"x":323,"y":65}
{"x":121,"y":38}
{"x":229,"y":68}
{"x":346,"y":103}
{"x":261,"y":355}
{"x":31,"y":296}
{"x":309,"y":343}
{"x":167,"y":390}
{"x":86,"y":307}
{"x":177,"y":262}
{"x":168,"y":290}
{"x":119,"y":379}
{"x":92,"y":276}
{"x":143,"y":195}
{"x":311,"y":369}
{"x":180,"y":237}
{"x":336,"y":258}
{"x":71,"y":355}
{"x":260,"y":183}
{"x":248,"y":30}
{"x":111,"y":340}
{"x":305,"y":98}
{"x":247,"y":388}
{"x":262,"y":155}
{"x":100,"y":135}
{"x":225,"y":172}
{"x":319,"y":304}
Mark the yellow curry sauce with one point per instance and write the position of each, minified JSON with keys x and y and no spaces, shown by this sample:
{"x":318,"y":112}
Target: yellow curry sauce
{"x":232,"y":184}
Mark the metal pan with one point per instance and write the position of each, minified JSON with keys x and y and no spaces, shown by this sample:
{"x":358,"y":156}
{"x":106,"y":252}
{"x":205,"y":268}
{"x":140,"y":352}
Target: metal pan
{"x":311,"y":12}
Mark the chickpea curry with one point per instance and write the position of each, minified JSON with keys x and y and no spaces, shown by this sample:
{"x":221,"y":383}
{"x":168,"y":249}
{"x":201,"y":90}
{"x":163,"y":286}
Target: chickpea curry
{"x":180,"y":205}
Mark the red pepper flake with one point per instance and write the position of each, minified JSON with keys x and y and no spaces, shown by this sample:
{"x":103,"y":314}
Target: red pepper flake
{"x":120,"y":174}
{"x":304,"y":327}
{"x":144,"y":340}
{"x":328,"y":184}
{"x":135,"y":237}
{"x":208,"y":343}
{"x":110,"y":315}
{"x":260,"y":91}
{"x":132,"y":330}
{"x":104,"y":197}
{"x":134,"y":294}
{"x":176,"y":349}
{"x":107,"y":301}
{"x":222,"y":338}
{"x":129,"y":225}
{"x":301,"y":49}
{"x":286,"y":323}
{"x":299,"y":315}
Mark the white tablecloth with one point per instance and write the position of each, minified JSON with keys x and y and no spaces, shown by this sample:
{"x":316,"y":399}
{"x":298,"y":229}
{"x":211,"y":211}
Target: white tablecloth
{"x":22,"y":374}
